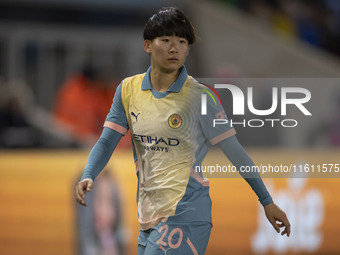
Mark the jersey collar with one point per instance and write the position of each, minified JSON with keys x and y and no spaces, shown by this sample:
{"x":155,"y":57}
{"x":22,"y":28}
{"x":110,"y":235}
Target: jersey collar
{"x":175,"y":87}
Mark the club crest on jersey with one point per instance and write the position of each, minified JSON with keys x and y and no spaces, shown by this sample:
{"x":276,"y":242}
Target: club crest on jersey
{"x":175,"y":120}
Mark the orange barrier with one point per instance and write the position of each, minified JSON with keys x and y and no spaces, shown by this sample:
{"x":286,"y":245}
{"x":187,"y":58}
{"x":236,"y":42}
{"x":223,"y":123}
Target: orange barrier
{"x":37,"y":214}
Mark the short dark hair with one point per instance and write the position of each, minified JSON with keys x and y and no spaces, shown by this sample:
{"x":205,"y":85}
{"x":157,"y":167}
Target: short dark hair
{"x":169,"y":21}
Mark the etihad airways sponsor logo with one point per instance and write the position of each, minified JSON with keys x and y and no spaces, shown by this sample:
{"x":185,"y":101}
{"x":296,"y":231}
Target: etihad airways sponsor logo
{"x":147,"y":139}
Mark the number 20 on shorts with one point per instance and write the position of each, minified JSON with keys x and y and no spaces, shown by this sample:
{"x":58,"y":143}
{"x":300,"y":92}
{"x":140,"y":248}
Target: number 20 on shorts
{"x":172,"y":245}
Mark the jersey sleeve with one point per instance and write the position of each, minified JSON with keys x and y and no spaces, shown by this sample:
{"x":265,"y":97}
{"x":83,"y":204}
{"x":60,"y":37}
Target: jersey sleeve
{"x":101,"y":153}
{"x":116,"y":119}
{"x":240,"y":158}
{"x":215,"y":125}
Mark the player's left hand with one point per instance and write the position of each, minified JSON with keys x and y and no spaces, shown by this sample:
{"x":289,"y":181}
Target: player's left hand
{"x":277,"y":218}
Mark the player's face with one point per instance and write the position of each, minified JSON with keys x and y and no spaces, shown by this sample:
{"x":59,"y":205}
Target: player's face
{"x":168,"y":53}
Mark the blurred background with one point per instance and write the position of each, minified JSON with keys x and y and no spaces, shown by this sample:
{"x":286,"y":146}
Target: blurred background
{"x":60,"y":63}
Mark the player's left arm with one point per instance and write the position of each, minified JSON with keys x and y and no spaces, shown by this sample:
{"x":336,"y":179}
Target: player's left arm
{"x":224,"y":136}
{"x":239,"y":157}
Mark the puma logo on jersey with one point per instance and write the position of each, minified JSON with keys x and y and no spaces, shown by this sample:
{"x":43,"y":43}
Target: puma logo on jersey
{"x":134,"y":115}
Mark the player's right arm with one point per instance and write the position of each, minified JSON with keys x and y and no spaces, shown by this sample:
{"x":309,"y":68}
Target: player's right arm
{"x":82,"y":188}
{"x":98,"y":158}
{"x":115,"y":127}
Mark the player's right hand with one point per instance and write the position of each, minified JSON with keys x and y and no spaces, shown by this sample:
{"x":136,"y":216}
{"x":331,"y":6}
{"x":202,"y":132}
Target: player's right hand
{"x":82,"y":188}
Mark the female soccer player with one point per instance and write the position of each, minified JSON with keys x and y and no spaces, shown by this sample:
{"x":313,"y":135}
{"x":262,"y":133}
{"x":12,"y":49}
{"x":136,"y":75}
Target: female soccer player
{"x":170,"y":137}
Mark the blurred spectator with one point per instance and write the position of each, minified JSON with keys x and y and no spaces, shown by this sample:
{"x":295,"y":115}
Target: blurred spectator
{"x":15,"y":128}
{"x":333,"y":24}
{"x":100,"y":229}
{"x":316,"y":22}
{"x":311,"y":23}
{"x":83,"y":102}
{"x":23,"y":124}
